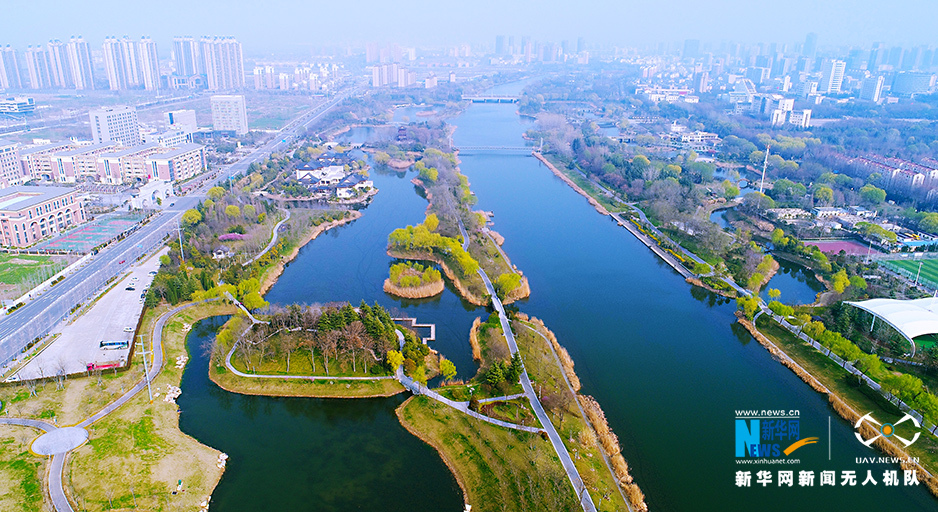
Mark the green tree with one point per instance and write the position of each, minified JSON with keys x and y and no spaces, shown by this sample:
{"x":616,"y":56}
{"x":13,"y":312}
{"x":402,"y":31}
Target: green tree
{"x":165,"y":260}
{"x":431,"y":222}
{"x":748,"y":305}
{"x":872,"y":194}
{"x":232,"y":211}
{"x":774,"y":293}
{"x":448,"y":369}
{"x":253,"y":300}
{"x":507,"y":283}
{"x":730,"y":190}
{"x":840,"y":281}
{"x":191,"y":218}
{"x":824,"y":195}
{"x":215,"y":193}
{"x":249,"y":211}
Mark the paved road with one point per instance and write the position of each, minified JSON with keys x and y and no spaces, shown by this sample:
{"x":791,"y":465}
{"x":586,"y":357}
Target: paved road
{"x":273,"y":239}
{"x":239,"y":373}
{"x":39,"y":316}
{"x":59,"y":501}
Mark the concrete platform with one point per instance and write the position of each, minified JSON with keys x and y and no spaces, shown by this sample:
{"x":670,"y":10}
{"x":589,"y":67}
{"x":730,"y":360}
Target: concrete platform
{"x":113,"y":317}
{"x":60,"y":440}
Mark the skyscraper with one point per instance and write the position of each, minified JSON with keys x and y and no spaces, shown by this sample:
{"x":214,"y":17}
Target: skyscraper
{"x":691,"y":48}
{"x":500,"y":45}
{"x":223,"y":63}
{"x":149,"y":64}
{"x":9,"y":69}
{"x":872,"y":89}
{"x":122,"y":63}
{"x":37,"y":65}
{"x":810,"y":46}
{"x":59,"y":69}
{"x":832,"y":76}
{"x":115,"y":124}
{"x":79,"y":61}
{"x":186,"y":56}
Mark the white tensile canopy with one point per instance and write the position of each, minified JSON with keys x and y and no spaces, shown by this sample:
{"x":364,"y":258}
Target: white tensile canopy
{"x":912,"y":318}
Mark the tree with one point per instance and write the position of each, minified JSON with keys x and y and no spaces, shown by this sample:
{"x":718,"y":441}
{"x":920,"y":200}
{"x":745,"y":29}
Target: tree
{"x":840,"y":281}
{"x":774,"y":293}
{"x":431,"y":222}
{"x":250,"y":212}
{"x":730,"y":190}
{"x":824,"y":195}
{"x":215,"y":193}
{"x":872,"y":194}
{"x":191,"y":218}
{"x":395,"y":359}
{"x":253,"y":301}
{"x":448,"y":369}
{"x":232,"y":211}
{"x":288,"y":344}
{"x":748,"y":305}
{"x":328,"y":346}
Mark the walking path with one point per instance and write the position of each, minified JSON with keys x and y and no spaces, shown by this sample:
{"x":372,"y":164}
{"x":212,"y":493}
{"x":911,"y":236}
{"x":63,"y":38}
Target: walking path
{"x":239,"y":373}
{"x":273,"y":239}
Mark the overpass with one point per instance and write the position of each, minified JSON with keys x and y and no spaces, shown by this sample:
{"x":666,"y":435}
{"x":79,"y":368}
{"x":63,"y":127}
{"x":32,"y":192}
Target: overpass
{"x":491,"y":99}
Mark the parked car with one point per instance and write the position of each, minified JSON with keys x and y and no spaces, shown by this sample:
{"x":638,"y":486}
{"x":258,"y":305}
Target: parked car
{"x":130,"y":288}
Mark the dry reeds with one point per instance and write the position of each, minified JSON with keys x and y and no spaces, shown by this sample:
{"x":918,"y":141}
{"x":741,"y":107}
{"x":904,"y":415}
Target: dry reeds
{"x":415,"y":292}
{"x":781,"y":356}
{"x":474,"y":339}
{"x":610,"y":444}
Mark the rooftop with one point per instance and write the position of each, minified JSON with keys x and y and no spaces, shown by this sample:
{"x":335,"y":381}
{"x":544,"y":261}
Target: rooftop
{"x":14,"y":199}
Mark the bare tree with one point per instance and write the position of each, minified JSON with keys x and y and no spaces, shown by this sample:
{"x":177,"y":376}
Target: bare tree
{"x":308,"y":341}
{"x":288,"y":344}
{"x":328,"y":346}
{"x":352,"y":339}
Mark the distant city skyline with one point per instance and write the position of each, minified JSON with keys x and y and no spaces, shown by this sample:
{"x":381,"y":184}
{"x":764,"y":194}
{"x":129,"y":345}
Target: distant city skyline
{"x":278,"y":25}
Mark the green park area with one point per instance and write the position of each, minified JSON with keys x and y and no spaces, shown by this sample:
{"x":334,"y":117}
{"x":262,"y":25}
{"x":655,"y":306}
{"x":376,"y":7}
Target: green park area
{"x":911,"y":267}
{"x":21,"y":272}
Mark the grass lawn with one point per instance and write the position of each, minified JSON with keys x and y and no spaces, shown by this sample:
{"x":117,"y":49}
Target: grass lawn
{"x":137,"y":453}
{"x":21,"y":472}
{"x":844,"y":385}
{"x":21,"y":272}
{"x":929,"y":268}
{"x":497,"y":468}
{"x":579,"y":438}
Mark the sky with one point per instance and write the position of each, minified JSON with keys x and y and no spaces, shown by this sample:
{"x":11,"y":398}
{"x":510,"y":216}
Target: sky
{"x":265,"y":26}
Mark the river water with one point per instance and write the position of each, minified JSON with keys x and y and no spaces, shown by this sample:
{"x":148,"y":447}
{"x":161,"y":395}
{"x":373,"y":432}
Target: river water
{"x":667,"y":362}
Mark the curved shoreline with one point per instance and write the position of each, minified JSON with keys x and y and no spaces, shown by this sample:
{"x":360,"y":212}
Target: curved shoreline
{"x":599,"y":208}
{"x":273,"y":273}
{"x":463,"y":289}
{"x":416,"y":292}
{"x":446,"y":460}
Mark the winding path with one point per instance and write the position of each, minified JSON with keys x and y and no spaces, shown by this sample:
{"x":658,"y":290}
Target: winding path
{"x":273,"y":239}
{"x":239,"y":373}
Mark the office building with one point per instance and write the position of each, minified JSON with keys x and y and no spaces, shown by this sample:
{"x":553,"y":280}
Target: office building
{"x":910,"y":83}
{"x":29,"y":214}
{"x":182,"y":120}
{"x":872,"y":89}
{"x":178,"y":163}
{"x":80,"y":64}
{"x":229,"y":114}
{"x":832,"y":76}
{"x":18,"y":105}
{"x":223,"y":63}
{"x":186,"y":56}
{"x":121,"y":63}
{"x":115,"y":124}
{"x":37,"y":66}
{"x":10,"y":174}
{"x":810,"y":46}
{"x":59,"y":68}
{"x":149,"y":64}
{"x":9,"y":69}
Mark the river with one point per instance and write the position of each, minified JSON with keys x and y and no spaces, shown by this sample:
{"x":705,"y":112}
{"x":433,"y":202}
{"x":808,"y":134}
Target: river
{"x":667,"y":362}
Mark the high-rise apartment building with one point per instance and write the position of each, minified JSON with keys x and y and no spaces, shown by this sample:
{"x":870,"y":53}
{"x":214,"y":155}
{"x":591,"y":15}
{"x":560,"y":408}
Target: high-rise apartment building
{"x":9,"y":69}
{"x":872,"y":89}
{"x":10,"y":174}
{"x":809,"y":49}
{"x":832,"y":76}
{"x":223,"y":63}
{"x":115,"y":124}
{"x":37,"y":66}
{"x":149,"y":64}
{"x":121,"y":63}
{"x":182,"y":120}
{"x":186,"y":56}
{"x":229,"y":114}
{"x":59,"y":68}
{"x":79,"y":62}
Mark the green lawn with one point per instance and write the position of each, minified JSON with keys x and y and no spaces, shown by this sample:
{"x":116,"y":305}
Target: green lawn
{"x":15,"y":269}
{"x":929,"y":268}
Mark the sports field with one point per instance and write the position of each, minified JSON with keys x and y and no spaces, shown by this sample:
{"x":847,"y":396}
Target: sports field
{"x":929,"y":273}
{"x":84,"y":238}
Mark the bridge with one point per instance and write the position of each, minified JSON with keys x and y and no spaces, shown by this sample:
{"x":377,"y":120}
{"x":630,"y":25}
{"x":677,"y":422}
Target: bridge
{"x":491,"y":99}
{"x":478,"y":149}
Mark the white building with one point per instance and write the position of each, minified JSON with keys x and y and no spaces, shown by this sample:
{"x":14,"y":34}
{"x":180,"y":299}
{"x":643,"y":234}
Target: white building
{"x":117,"y":124}
{"x":182,"y":120}
{"x":10,"y":175}
{"x":832,"y":76}
{"x":872,"y":89}
{"x":229,"y":114}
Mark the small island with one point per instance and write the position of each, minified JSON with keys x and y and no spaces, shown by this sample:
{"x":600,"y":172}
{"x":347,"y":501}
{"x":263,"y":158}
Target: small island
{"x":413,"y":280}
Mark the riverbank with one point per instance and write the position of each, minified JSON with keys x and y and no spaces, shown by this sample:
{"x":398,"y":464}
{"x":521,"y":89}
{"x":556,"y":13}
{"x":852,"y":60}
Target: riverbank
{"x":826,"y":377}
{"x":414,"y":292}
{"x":273,"y":273}
{"x":566,"y":179}
{"x":137,"y":454}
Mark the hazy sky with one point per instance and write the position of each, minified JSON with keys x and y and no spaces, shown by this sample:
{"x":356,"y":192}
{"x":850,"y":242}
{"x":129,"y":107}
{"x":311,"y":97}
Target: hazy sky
{"x":267,"y":25}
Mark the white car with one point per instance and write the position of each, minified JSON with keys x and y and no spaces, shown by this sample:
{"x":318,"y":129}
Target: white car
{"x":128,"y":329}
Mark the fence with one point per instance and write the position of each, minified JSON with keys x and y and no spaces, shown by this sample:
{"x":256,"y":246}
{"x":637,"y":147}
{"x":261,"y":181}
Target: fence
{"x":853,"y":370}
{"x":41,"y":315}
{"x":911,"y":276}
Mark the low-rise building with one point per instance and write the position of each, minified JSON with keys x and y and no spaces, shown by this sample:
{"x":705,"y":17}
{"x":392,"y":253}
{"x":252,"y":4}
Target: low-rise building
{"x":29,"y":214}
{"x":787,"y":213}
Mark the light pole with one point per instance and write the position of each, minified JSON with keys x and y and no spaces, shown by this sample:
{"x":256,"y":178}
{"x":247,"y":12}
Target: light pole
{"x":146,"y":372}
{"x":919,"y":272}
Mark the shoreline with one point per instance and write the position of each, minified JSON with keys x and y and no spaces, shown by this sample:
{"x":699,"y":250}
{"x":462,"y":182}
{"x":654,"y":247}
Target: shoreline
{"x":439,"y":450}
{"x":599,"y":208}
{"x":463,"y":289}
{"x":273,"y":273}
{"x":416,"y":292}
{"x":213,"y":376}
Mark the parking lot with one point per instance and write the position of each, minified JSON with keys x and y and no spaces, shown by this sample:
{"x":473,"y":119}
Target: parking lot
{"x":113,"y":318}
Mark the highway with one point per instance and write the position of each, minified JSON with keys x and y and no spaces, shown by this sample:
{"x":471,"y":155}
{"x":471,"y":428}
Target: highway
{"x":40,"y":315}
